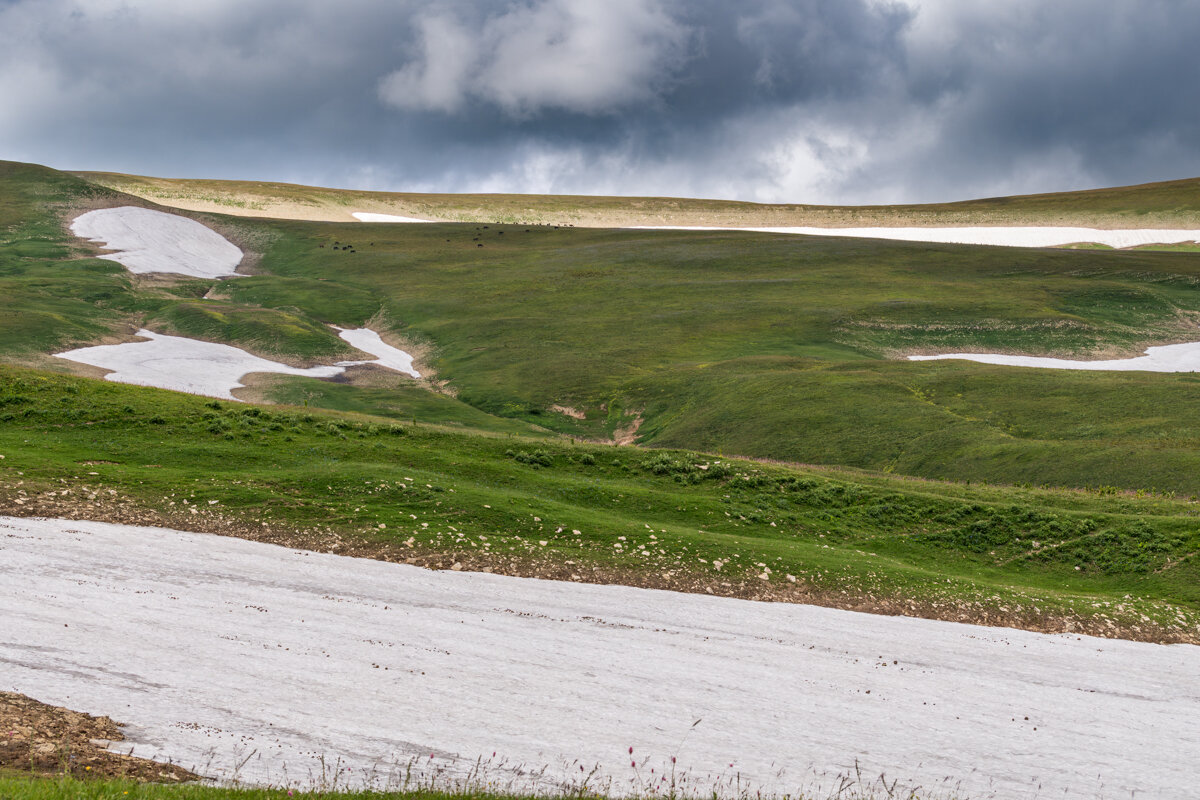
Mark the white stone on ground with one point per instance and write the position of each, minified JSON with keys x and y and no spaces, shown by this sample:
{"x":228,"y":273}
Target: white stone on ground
{"x":367,"y":216}
{"x":153,"y":241}
{"x":217,"y":650}
{"x":1167,"y":358}
{"x":1015,"y":236}
{"x":368,"y":341}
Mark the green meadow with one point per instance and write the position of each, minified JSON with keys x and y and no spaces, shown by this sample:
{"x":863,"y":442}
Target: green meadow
{"x":779,"y":430}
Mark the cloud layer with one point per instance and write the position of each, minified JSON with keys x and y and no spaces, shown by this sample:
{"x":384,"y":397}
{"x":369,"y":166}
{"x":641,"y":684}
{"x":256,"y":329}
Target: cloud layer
{"x":772,"y":100}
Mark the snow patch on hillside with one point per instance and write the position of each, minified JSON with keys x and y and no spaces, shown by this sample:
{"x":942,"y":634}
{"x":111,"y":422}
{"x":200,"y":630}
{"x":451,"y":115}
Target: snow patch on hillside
{"x":368,"y":341}
{"x":217,"y":650}
{"x":1167,"y":358}
{"x":367,"y":216}
{"x":153,"y":241}
{"x":215,"y":370}
{"x":999,"y":236}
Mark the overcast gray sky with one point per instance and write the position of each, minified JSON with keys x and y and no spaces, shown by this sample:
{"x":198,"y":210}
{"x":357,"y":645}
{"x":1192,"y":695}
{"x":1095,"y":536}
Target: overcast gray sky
{"x":820,"y":101}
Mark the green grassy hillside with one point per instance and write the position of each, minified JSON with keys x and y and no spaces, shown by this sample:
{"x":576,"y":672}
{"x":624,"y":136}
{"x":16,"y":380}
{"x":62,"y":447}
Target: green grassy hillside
{"x":1171,"y":204}
{"x":550,"y":507}
{"x":539,"y":341}
{"x":734,"y":343}
{"x":784,"y":347}
{"x":52,"y":299}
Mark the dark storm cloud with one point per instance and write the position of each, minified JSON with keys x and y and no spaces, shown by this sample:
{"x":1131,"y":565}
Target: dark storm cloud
{"x":812,"y":100}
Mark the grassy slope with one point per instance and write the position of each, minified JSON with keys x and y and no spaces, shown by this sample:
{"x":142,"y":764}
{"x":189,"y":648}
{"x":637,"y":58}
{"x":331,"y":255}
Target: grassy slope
{"x":53,"y":298}
{"x":705,"y":333}
{"x":743,"y":343}
{"x":778,"y":346}
{"x":1169,"y":204}
{"x":550,"y":507}
{"x":57,"y":297}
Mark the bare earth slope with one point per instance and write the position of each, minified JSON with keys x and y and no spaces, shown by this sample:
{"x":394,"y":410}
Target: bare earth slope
{"x":1170,"y":204}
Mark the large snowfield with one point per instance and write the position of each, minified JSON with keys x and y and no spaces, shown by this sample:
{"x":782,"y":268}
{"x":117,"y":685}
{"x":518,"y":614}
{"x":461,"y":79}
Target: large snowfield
{"x":1167,"y":358}
{"x":254,"y":660}
{"x":1001,"y":236}
{"x":215,"y":370}
{"x":153,"y":241}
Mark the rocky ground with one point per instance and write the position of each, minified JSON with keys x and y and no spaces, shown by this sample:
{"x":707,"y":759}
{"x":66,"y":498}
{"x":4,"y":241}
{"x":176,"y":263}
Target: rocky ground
{"x":48,"y":740}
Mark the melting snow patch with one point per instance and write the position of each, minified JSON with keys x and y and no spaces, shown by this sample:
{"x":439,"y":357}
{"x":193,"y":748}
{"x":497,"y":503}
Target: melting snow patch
{"x":1001,"y":236}
{"x":215,"y":370}
{"x":1168,"y":358}
{"x":185,"y":365}
{"x":153,"y":241}
{"x":288,"y":662}
{"x":368,"y":341}
{"x":366,"y":216}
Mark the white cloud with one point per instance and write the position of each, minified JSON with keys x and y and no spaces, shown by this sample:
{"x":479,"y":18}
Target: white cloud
{"x":583,"y":56}
{"x":438,"y":80}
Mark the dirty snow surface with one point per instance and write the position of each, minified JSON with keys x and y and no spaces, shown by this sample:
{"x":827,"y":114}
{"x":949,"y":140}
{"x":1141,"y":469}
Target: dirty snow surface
{"x":153,"y":241}
{"x":218,"y":651}
{"x":387,"y":356}
{"x":1168,"y":358}
{"x":367,"y":216}
{"x":1002,"y":236}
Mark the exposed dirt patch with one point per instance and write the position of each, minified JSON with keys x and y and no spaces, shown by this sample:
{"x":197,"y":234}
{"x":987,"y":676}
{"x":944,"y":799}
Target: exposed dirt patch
{"x":573,"y":413}
{"x":49,"y":740}
{"x":627,"y":434}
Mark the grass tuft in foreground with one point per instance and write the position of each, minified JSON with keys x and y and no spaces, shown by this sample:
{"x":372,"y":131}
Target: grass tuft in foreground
{"x":14,"y":786}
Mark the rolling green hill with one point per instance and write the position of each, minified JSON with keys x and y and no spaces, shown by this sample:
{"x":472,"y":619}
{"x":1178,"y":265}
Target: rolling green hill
{"x":776,"y":346}
{"x":1170,"y":204}
{"x":543,"y":341}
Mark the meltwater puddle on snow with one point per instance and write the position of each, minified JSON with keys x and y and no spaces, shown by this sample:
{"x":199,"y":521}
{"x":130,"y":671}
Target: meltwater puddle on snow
{"x":1166,"y":358}
{"x":219,"y":652}
{"x":215,"y":370}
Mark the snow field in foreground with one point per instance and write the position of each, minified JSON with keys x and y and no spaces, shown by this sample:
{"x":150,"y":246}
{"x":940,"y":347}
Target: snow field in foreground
{"x":153,"y":241}
{"x":217,"y":650}
{"x":1001,"y":236}
{"x":367,"y":216}
{"x":1168,"y":358}
{"x":215,"y":370}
